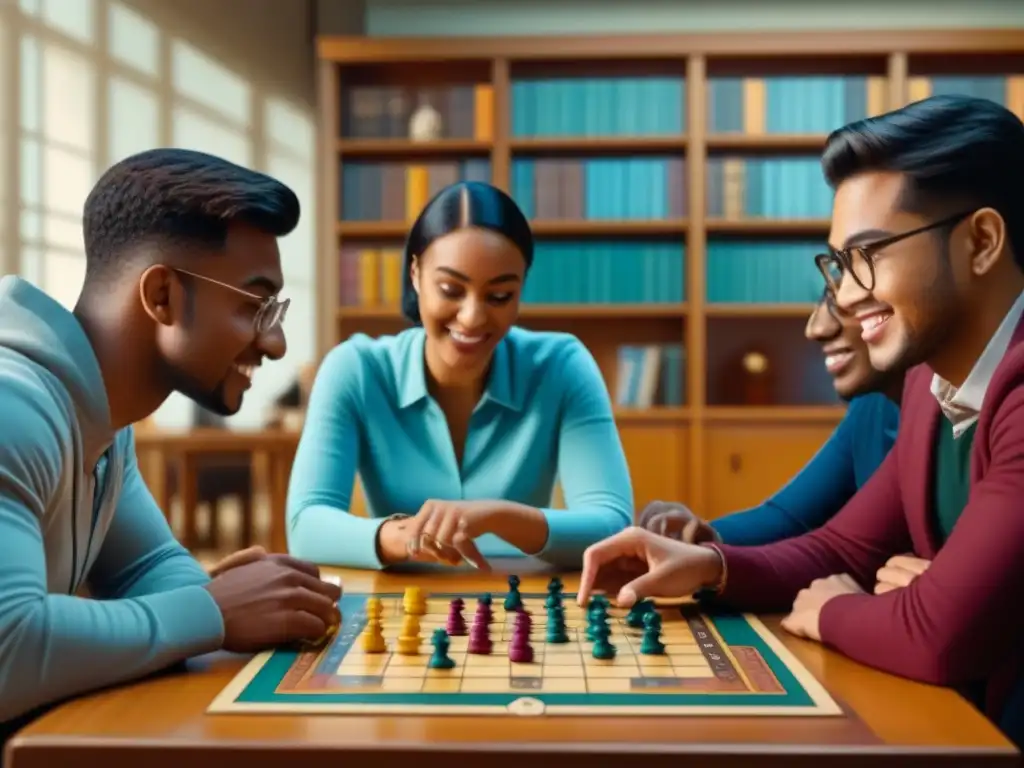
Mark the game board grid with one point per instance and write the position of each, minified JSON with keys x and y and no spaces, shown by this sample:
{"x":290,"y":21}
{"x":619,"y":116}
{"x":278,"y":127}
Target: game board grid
{"x":743,"y":655}
{"x":557,"y":668}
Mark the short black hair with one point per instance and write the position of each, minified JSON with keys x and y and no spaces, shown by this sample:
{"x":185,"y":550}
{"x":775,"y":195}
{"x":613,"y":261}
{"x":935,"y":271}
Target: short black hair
{"x":954,"y":151}
{"x":178,"y":196}
{"x":461,"y":205}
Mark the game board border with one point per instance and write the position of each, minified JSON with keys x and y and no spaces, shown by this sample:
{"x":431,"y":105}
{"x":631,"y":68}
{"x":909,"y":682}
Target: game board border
{"x":822,"y":703}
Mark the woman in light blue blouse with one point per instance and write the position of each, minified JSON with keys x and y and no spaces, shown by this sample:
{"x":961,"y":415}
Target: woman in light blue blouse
{"x":459,"y":426}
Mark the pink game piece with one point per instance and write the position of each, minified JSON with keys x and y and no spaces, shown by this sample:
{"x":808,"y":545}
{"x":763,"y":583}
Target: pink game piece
{"x":483,"y":608}
{"x":480,"y":638}
{"x":519,"y":650}
{"x":456,"y":623}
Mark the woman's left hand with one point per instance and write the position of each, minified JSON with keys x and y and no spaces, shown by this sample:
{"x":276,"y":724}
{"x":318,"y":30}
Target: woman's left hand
{"x":444,"y":531}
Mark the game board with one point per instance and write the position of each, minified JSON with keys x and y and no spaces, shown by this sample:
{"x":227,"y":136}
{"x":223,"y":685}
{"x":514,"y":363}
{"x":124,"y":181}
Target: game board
{"x":722,"y":664}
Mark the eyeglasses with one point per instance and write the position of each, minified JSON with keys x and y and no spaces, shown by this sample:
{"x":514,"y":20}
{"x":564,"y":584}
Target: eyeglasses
{"x":271,"y":311}
{"x":859,"y":260}
{"x":828,"y":298}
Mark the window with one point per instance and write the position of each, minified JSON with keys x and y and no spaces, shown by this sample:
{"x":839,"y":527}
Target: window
{"x":291,"y":149}
{"x":133,"y":121}
{"x":134,"y":40}
{"x":80,"y":108}
{"x":193,"y":130}
{"x":8,"y":212}
{"x":201,"y":80}
{"x":58,"y":159}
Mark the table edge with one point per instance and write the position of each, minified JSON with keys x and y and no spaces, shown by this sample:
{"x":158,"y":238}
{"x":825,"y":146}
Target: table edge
{"x":30,"y":742}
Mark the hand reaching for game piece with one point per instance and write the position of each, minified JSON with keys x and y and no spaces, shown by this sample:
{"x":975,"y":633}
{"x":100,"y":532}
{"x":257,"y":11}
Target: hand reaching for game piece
{"x":899,"y":572}
{"x":676,"y":521}
{"x":444,"y":531}
{"x":269,"y":602}
{"x":636,"y":563}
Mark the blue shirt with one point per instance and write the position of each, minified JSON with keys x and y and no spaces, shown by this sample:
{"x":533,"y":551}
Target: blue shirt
{"x":845,"y":463}
{"x":545,"y":414}
{"x":74,"y":511}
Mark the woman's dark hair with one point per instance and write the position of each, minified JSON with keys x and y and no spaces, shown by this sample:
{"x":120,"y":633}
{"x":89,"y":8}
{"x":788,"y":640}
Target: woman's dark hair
{"x":955,"y":152}
{"x":461,"y":205}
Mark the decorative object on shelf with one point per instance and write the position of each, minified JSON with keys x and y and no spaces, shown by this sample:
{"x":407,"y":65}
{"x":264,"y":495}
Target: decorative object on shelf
{"x":425,"y":123}
{"x":757,"y":380}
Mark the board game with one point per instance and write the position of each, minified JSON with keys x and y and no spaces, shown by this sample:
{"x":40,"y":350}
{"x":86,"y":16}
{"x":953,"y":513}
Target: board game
{"x":530,"y":654}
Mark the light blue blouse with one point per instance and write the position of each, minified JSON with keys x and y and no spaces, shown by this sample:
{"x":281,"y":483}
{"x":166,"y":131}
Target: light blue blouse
{"x":545,"y":414}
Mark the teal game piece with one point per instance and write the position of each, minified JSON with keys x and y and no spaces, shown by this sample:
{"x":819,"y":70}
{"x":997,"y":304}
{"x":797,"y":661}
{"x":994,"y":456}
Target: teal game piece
{"x":440,"y":659}
{"x":650,"y":643}
{"x":597,"y":616}
{"x":556,"y":626}
{"x":602,"y":649}
{"x":554,"y":593}
{"x":636,"y":615}
{"x":514,"y":600}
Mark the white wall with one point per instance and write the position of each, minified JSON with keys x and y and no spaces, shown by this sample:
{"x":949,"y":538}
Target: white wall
{"x":84,"y":83}
{"x":442,"y":18}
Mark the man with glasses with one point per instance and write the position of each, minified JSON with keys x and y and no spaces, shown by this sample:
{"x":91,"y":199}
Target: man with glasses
{"x":845,"y":462}
{"x":180,"y":295}
{"x":928,"y":256}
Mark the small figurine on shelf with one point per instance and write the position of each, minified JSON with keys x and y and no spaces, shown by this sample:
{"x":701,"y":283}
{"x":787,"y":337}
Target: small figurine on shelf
{"x":757,"y":378}
{"x":425,"y":123}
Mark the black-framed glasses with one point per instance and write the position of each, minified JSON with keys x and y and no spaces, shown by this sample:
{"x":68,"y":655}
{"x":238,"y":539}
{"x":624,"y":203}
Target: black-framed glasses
{"x":271,"y":310}
{"x":828,"y":298}
{"x":859,"y":260}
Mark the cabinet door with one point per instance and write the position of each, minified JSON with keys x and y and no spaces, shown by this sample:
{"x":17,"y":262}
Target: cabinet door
{"x":658,"y":457}
{"x":748,"y":463}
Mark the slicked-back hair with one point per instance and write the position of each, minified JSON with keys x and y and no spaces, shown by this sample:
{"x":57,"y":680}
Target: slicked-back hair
{"x":461,"y":205}
{"x":178,"y":197}
{"x":955,"y":152}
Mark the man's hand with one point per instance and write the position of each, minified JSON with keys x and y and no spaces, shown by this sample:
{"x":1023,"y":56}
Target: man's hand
{"x":636,"y":563}
{"x":252,"y":554}
{"x":899,"y":572}
{"x":235,"y":559}
{"x":267,"y":603}
{"x":677,"y":522}
{"x":803,"y":620}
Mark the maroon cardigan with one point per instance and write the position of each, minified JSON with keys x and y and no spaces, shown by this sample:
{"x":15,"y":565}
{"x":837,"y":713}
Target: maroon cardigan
{"x":961,"y":621}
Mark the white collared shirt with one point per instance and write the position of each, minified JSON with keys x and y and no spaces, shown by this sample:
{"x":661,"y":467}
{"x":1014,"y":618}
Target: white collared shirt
{"x":963,"y":406}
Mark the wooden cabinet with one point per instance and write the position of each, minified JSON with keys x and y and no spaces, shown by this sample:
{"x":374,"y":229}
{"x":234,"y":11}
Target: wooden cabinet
{"x":746,"y":463}
{"x":658,"y":456}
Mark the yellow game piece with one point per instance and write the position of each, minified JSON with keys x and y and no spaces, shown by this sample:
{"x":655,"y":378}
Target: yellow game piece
{"x":414,"y":603}
{"x":322,"y":641}
{"x":373,"y":638}
{"x":374,"y":608}
{"x":409,"y":639}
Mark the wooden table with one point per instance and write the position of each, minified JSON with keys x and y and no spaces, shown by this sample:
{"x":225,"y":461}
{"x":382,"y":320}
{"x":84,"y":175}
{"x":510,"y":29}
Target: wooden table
{"x":272,"y":452}
{"x":162,"y":722}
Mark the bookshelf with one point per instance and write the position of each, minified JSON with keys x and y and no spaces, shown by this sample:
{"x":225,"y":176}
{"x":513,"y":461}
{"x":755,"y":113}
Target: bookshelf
{"x":673,"y":186}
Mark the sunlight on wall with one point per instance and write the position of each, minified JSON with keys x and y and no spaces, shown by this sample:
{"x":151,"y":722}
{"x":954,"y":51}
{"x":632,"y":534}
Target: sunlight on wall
{"x":84,"y":106}
{"x":6,"y":130}
{"x":291,"y":157}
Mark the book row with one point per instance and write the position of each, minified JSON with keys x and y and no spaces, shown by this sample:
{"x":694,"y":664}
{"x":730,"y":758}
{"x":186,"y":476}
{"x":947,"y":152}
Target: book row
{"x":653,"y":105}
{"x":604,"y":188}
{"x":563,"y":272}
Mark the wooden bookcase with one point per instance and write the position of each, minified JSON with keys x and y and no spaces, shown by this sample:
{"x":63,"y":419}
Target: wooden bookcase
{"x":717,"y":450}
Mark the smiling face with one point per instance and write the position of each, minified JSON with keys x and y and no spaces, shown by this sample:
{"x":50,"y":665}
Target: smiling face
{"x":918,"y":293}
{"x":207,"y":334}
{"x":846,"y":355}
{"x":468,"y":285}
